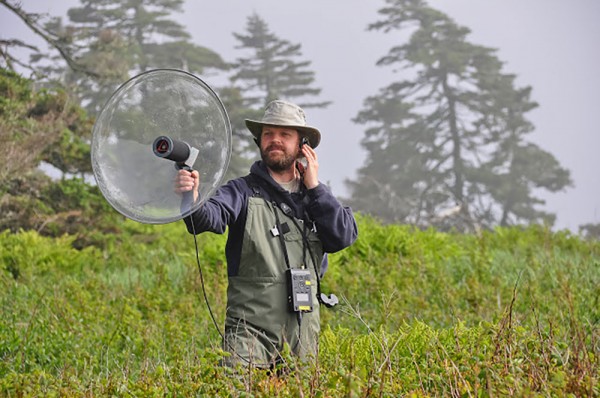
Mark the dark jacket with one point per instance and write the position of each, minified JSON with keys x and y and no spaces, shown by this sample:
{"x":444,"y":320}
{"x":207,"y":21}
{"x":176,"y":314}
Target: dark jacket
{"x":335,"y":224}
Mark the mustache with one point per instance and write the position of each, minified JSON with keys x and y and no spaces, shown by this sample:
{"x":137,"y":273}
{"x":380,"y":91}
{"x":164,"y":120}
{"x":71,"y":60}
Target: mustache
{"x":273,"y":147}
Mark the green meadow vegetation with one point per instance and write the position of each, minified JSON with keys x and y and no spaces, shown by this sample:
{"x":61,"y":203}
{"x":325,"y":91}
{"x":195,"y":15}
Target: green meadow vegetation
{"x":509,"y":312}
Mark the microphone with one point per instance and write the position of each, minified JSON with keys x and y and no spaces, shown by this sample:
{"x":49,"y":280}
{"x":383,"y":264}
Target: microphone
{"x":184,"y":157}
{"x":179,"y":152}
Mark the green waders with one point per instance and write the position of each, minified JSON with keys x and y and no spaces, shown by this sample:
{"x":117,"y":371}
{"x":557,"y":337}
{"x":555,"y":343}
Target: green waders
{"x":258,"y":321}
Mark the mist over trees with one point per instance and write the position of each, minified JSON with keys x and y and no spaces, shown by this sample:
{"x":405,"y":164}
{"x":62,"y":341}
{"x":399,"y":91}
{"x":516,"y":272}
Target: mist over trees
{"x":447,"y":147}
{"x":120,"y":39}
{"x":269,"y":68}
{"x":446,"y":144}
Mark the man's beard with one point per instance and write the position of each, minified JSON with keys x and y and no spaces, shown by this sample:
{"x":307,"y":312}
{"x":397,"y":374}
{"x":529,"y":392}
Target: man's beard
{"x":281,"y":163}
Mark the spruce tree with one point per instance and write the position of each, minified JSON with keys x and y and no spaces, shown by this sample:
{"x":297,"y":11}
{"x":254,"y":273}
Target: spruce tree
{"x":446,"y":145}
{"x":120,"y":38}
{"x":270,"y":69}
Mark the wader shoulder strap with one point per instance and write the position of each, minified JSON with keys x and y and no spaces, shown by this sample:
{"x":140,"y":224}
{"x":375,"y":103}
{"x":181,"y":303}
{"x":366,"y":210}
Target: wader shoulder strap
{"x":280,"y":231}
{"x":253,"y":185}
{"x":328,"y":301}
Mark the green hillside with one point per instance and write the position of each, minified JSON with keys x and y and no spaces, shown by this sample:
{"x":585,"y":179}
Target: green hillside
{"x":423,"y":313}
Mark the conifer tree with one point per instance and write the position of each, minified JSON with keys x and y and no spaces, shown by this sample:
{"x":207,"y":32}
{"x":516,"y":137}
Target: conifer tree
{"x":446,"y":146}
{"x":269,"y":70}
{"x":120,"y":38}
{"x":272,"y":69}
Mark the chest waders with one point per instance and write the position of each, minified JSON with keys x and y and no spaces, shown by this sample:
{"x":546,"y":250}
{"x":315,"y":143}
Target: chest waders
{"x":258,"y":320}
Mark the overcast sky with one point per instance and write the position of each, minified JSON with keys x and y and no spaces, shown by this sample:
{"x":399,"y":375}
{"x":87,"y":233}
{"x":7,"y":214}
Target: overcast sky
{"x":551,"y":45}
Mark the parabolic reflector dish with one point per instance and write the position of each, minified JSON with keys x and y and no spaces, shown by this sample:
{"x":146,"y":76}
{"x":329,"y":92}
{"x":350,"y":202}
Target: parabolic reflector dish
{"x":133,"y":132}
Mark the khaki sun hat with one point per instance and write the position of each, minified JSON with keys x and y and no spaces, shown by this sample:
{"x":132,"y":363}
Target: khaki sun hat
{"x":285,"y":114}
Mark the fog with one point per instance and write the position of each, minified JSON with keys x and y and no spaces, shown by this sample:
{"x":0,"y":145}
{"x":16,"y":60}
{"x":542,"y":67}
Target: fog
{"x":551,"y":45}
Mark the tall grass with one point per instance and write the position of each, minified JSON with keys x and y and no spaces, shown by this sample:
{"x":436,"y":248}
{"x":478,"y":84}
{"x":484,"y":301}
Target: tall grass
{"x":423,"y":313}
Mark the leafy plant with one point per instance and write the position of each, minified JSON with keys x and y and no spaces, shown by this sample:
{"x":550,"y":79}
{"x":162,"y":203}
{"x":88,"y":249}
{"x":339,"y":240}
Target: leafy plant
{"x":424,"y":313}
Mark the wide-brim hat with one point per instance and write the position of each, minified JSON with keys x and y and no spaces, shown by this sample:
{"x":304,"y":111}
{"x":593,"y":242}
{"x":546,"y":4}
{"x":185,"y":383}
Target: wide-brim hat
{"x":285,"y":114}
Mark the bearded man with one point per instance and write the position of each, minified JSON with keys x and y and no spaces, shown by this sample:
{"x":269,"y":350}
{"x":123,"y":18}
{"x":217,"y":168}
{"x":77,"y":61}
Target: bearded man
{"x":281,"y":224}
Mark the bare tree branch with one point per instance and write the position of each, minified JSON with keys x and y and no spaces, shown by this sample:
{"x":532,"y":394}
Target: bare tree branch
{"x":31,"y":21}
{"x":8,"y":58}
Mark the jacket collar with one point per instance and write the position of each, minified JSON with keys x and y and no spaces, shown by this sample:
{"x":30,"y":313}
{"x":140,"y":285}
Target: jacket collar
{"x":259,"y":169}
{"x":260,"y":172}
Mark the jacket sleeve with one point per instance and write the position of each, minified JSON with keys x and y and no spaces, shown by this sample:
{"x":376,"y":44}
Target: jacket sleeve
{"x":219,"y":211}
{"x":335,"y":223}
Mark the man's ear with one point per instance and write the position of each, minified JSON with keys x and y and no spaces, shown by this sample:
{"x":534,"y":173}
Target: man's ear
{"x":257,"y":142}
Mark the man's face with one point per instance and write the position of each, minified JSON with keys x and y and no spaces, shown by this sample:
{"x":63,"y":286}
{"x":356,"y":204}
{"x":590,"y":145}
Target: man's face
{"x":279,"y":147}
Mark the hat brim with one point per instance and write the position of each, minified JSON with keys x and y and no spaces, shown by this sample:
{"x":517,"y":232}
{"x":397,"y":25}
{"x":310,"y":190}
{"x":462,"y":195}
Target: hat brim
{"x":313,"y":134}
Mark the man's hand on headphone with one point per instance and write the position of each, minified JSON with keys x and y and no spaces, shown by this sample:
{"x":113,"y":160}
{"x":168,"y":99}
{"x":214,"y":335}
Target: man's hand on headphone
{"x":311,"y":171}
